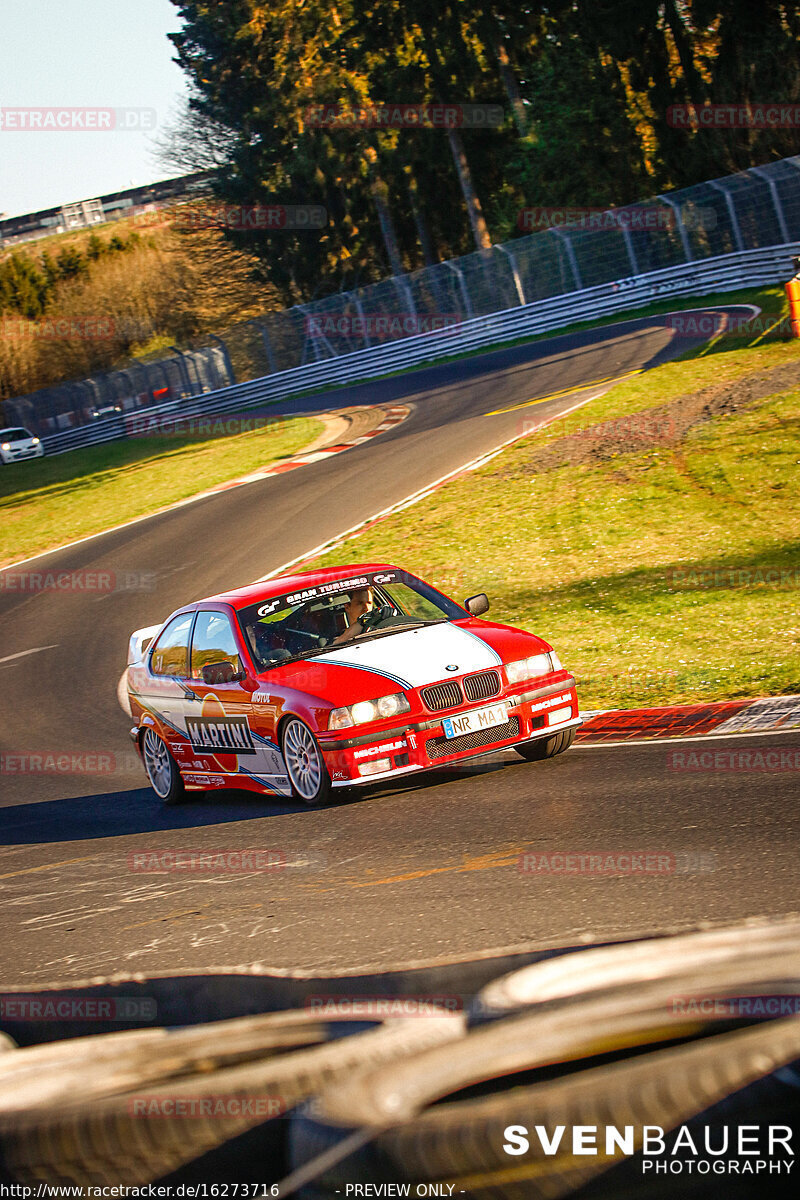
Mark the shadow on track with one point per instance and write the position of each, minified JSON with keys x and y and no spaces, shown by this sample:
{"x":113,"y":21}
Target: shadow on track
{"x":114,"y":814}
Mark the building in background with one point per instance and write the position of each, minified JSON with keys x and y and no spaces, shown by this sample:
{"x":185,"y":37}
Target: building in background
{"x":82,"y":214}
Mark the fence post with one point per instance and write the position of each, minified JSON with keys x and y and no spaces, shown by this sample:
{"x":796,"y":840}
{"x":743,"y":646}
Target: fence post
{"x":737,"y":233}
{"x":186,"y":382}
{"x":402,"y":285}
{"x":776,"y":200}
{"x":514,"y":272}
{"x":687,"y":249}
{"x":457,"y":271}
{"x":360,"y":311}
{"x":227,"y":358}
{"x":563,"y":237}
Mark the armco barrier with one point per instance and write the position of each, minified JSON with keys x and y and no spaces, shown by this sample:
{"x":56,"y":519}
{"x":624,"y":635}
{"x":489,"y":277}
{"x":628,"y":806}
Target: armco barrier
{"x":727,"y":272}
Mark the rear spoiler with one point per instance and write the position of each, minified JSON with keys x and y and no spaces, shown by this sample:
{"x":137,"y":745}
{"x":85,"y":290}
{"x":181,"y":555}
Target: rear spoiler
{"x":139,"y":643}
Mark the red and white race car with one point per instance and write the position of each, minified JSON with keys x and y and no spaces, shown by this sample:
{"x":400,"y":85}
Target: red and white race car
{"x":335,"y":679}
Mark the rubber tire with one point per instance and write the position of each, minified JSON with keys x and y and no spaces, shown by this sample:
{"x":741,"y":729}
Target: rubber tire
{"x":430,"y":1102}
{"x":100,"y":1141}
{"x":323,"y":792}
{"x":462,"y":1139}
{"x":547,"y":747}
{"x":177,"y":792}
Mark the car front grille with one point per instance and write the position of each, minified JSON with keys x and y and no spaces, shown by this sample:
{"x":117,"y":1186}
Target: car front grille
{"x":441,"y":747}
{"x":482,"y":686}
{"x":442,"y":695}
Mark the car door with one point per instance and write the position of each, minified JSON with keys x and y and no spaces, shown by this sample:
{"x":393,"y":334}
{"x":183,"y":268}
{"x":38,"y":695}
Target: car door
{"x":164,"y":688}
{"x":222,"y":727}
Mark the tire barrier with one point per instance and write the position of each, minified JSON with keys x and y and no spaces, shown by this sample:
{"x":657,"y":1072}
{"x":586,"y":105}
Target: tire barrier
{"x":609,"y":1035}
{"x":136,"y":1106}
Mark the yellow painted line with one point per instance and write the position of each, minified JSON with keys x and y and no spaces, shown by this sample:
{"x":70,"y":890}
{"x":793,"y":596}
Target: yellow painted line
{"x":486,"y":862}
{"x":569,"y":391}
{"x":761,"y":336}
{"x":48,"y":866}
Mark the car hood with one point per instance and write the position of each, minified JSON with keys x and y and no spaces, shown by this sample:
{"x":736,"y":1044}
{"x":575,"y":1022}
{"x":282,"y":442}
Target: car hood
{"x":417,"y":657}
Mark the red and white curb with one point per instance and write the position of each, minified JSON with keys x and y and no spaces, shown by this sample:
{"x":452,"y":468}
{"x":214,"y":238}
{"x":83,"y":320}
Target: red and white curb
{"x":723,"y":718}
{"x":394,"y":416}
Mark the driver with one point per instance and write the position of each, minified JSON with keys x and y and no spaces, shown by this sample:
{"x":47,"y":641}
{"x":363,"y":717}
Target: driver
{"x":361,"y":602}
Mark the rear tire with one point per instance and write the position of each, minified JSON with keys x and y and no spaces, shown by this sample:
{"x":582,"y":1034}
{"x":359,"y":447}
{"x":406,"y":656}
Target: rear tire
{"x":162,"y":770}
{"x":547,"y":747}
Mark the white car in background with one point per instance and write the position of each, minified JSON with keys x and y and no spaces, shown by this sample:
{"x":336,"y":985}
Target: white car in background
{"x":17,"y":443}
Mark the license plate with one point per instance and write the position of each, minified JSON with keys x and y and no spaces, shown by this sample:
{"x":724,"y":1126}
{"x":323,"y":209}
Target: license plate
{"x":472,"y":722}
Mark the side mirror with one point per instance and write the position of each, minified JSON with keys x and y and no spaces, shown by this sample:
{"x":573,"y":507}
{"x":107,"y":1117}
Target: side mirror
{"x":221,"y":672}
{"x":477,"y":605}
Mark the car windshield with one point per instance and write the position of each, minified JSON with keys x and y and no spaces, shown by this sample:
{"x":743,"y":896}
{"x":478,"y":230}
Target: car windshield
{"x":315,"y":619}
{"x":14,"y":435}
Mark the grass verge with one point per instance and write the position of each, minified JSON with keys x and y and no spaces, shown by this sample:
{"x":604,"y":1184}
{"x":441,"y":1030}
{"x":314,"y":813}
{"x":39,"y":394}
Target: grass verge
{"x":49,"y":501}
{"x":662,"y":574}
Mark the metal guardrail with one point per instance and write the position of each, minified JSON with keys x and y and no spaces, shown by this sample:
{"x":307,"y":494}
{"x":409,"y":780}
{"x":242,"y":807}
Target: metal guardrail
{"x":726,"y":272}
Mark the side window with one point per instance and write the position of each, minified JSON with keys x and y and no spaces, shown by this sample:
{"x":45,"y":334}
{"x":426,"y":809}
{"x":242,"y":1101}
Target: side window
{"x":171,"y":653}
{"x":213,"y":642}
{"x":413,"y":604}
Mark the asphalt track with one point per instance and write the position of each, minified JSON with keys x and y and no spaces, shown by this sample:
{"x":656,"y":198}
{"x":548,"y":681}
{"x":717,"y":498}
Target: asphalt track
{"x":397,"y":874}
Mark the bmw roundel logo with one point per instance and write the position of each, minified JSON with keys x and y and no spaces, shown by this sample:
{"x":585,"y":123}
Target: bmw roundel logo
{"x":451,"y":667}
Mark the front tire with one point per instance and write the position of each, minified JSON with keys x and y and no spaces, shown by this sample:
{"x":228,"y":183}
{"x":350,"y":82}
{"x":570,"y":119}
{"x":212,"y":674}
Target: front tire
{"x":305,"y":765}
{"x":162,"y":770}
{"x":547,"y":747}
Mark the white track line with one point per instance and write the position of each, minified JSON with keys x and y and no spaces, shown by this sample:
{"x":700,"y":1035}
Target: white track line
{"x":25,"y":653}
{"x":672,"y":741}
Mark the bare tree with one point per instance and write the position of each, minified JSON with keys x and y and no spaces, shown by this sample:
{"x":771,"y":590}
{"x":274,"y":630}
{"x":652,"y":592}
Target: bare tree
{"x":191,"y":141}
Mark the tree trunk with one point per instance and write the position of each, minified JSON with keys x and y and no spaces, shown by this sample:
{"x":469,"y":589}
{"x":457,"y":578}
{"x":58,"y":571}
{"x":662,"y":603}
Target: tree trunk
{"x":509,"y":81}
{"x":423,"y":233}
{"x":480,"y":230}
{"x":380,"y":194}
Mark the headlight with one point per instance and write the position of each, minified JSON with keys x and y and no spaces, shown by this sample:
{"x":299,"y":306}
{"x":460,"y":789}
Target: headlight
{"x":5,"y":446}
{"x":34,"y":441}
{"x":369,"y":710}
{"x":527,"y":668}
